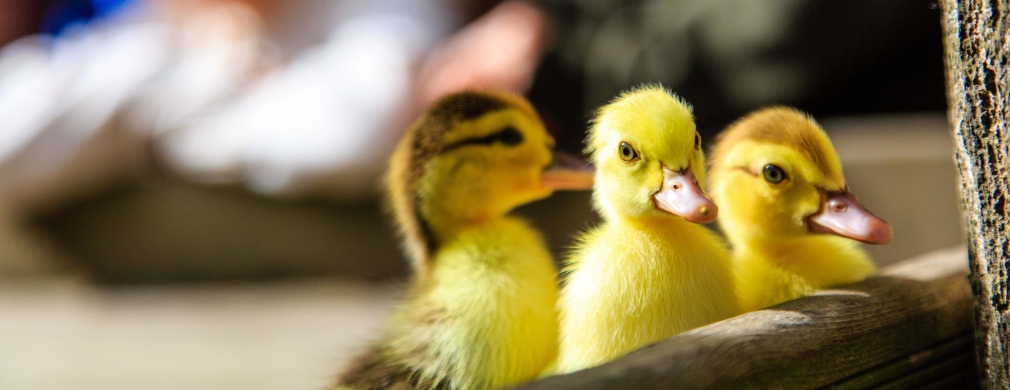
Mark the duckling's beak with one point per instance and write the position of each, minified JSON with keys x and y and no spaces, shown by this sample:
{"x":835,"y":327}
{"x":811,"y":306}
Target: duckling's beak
{"x":681,"y":195}
{"x":568,"y":172}
{"x":841,"y":214}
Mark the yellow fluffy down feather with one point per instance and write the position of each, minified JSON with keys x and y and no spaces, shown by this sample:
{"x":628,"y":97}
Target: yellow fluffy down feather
{"x":480,"y":312}
{"x":648,"y":272}
{"x":786,"y":209}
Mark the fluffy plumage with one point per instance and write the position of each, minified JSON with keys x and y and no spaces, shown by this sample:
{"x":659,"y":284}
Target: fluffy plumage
{"x":779,"y":185}
{"x":480,"y":312}
{"x":648,"y":272}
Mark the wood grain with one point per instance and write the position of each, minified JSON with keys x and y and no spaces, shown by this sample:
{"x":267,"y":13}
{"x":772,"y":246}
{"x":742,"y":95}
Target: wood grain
{"x":977,"y":40}
{"x":907,"y":328}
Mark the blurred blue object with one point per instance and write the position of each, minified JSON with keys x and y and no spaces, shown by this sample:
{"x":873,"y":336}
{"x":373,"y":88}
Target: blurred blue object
{"x":64,"y":14}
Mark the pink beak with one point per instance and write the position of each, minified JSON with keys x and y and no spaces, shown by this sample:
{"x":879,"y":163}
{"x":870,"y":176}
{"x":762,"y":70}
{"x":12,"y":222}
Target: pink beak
{"x":841,"y":214}
{"x":681,"y":195}
{"x":568,"y":172}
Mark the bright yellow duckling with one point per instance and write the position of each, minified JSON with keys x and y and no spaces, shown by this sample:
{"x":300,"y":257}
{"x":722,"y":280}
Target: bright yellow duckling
{"x":480,"y":312}
{"x":649,"y":271}
{"x":779,"y":186}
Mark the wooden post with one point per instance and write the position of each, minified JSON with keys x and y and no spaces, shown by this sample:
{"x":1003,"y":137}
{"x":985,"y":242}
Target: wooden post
{"x":978,"y":79}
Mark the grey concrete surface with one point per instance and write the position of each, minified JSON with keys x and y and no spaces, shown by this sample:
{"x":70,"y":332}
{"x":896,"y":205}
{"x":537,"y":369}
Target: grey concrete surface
{"x":62,"y":333}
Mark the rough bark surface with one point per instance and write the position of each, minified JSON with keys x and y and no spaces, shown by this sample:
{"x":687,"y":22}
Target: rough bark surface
{"x":978,"y":76}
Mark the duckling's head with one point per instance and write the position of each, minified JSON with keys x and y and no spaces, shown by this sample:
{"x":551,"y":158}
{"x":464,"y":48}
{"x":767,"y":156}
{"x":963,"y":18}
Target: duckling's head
{"x":776,"y":175}
{"x":648,"y":158}
{"x":472,"y":157}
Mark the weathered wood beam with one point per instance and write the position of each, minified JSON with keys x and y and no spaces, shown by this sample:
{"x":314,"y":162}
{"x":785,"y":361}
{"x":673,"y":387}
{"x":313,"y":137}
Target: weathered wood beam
{"x":907,"y":328}
{"x":978,"y":81}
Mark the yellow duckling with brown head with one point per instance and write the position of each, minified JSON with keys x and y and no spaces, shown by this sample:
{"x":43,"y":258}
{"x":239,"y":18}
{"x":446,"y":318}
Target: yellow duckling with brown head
{"x":649,"y":271}
{"x":480,"y":312}
{"x":786,"y":209}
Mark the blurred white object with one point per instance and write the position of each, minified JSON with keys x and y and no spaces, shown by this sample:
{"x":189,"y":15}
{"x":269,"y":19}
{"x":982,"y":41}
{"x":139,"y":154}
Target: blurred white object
{"x":312,"y":109}
{"x":61,"y":101}
{"x":327,"y":114}
{"x":323,"y":123}
{"x":72,"y":117}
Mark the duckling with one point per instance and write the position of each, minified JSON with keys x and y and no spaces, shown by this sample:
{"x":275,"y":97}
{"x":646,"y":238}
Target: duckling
{"x":650,"y":270}
{"x":791,"y":219}
{"x":480,"y":310}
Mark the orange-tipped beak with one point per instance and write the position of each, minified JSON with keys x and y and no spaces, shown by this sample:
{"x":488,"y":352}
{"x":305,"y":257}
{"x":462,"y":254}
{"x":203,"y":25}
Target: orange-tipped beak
{"x":681,"y":195}
{"x":841,"y":214}
{"x":568,"y":172}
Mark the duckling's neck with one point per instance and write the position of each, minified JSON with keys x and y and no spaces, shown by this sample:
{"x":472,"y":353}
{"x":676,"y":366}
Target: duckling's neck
{"x":446,"y":223}
{"x":776,"y":250}
{"x":652,"y":222}
{"x":822,"y":259}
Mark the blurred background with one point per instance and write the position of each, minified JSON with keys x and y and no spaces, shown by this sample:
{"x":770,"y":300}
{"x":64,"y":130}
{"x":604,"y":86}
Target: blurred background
{"x":189,"y":188}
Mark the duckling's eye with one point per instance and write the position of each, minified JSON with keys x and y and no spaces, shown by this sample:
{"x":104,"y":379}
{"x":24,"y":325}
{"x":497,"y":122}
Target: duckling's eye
{"x":627,"y":152}
{"x":697,"y":141}
{"x":773,"y":174}
{"x":510,"y":136}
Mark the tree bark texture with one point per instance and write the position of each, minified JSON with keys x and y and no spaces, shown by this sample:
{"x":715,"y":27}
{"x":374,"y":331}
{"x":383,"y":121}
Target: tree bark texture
{"x":977,"y":40}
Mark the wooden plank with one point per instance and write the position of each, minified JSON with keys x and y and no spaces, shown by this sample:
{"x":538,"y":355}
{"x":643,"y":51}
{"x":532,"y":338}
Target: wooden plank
{"x":977,"y":40}
{"x":925,"y":376}
{"x":909,"y":366}
{"x":964,"y":380}
{"x":818,"y":340}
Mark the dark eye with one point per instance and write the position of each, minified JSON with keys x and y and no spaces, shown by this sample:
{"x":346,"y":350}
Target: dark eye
{"x":697,"y":141}
{"x":510,"y":136}
{"x":773,"y":173}
{"x":627,"y":152}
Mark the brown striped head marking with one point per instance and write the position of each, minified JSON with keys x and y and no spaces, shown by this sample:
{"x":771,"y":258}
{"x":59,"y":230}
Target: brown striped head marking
{"x":782,"y":126}
{"x":432,"y":134}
